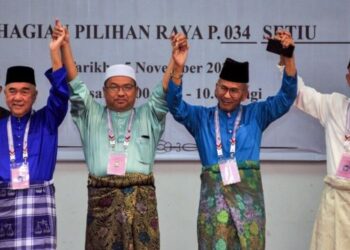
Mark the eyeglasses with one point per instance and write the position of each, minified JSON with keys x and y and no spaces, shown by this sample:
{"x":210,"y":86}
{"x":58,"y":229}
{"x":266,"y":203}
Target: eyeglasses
{"x":127,"y":88}
{"x":222,"y":90}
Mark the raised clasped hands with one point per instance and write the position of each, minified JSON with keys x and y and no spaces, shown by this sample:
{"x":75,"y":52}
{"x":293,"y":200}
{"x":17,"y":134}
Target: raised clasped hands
{"x":180,"y":49}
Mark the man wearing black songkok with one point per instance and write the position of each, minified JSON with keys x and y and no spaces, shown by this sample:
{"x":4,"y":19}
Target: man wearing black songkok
{"x":228,"y":137}
{"x":28,"y":153}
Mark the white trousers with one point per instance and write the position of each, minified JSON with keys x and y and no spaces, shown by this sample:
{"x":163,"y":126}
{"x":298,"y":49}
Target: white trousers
{"x":332,"y":226}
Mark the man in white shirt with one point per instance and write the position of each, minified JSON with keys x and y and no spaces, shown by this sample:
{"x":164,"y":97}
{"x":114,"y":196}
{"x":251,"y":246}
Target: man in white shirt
{"x":332,"y":225}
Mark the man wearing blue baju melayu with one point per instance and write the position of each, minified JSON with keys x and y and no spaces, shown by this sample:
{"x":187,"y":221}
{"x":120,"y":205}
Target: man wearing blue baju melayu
{"x":28,"y":151}
{"x":228,"y":137}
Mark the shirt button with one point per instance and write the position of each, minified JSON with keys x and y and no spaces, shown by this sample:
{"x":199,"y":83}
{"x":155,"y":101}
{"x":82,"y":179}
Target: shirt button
{"x":230,"y":131}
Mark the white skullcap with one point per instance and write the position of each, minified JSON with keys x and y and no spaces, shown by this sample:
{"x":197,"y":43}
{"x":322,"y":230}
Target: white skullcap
{"x":120,"y":70}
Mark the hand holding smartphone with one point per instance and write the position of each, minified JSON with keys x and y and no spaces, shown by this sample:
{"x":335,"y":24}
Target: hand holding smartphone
{"x":276,"y":47}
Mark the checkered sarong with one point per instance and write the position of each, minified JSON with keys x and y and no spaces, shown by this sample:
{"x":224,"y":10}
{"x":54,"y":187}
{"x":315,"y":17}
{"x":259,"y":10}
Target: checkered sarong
{"x":28,"y":217}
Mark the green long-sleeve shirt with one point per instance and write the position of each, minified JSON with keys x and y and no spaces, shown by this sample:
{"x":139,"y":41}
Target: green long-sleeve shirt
{"x":91,"y":120}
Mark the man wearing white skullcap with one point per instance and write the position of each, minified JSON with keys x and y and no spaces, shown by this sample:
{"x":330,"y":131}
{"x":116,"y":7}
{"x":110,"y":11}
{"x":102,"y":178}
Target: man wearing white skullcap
{"x":119,"y":142}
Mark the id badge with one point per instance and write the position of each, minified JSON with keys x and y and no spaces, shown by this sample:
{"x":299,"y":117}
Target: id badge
{"x":116,"y":164}
{"x":343,"y":170}
{"x":229,"y":172}
{"x":20,"y":176}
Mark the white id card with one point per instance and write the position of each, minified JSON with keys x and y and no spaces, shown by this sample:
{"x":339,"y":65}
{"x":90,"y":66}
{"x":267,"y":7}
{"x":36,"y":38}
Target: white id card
{"x":343,"y":170}
{"x":229,"y":172}
{"x":20,"y":176}
{"x":116,"y":164}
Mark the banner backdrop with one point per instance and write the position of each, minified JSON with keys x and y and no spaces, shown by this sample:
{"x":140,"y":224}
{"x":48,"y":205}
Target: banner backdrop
{"x":135,"y":32}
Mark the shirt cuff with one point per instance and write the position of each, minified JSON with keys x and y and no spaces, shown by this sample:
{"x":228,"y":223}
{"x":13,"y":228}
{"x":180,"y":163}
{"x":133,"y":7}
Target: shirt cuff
{"x":174,"y":87}
{"x":74,"y":84}
{"x":55,"y":77}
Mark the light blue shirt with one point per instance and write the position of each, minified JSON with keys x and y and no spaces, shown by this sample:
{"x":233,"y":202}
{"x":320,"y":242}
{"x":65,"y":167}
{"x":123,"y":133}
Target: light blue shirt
{"x":91,"y":120}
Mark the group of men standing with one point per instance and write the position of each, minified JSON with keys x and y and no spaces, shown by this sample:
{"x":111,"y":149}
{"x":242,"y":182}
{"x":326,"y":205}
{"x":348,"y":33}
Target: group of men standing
{"x":119,"y":143}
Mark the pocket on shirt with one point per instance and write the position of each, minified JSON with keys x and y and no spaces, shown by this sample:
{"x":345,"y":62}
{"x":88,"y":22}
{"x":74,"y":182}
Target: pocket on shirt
{"x":34,"y":145}
{"x":41,"y":143}
{"x":144,"y":149}
{"x":246,"y":137}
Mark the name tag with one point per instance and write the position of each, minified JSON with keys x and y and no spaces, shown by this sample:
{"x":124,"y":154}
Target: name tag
{"x":343,"y":170}
{"x":20,"y":176}
{"x":116,"y":164}
{"x":229,"y":172}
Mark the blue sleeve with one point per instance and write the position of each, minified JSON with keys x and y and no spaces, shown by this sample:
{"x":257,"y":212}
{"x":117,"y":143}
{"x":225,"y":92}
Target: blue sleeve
{"x":57,"y":102}
{"x":182,"y":112}
{"x":276,"y":106}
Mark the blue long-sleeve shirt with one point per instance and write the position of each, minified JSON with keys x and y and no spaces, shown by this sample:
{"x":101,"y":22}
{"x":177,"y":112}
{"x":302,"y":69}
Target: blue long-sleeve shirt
{"x":199,"y":121}
{"x":42,"y":136}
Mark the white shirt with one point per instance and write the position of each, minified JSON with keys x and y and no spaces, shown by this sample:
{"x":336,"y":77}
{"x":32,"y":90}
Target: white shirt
{"x":331,"y":111}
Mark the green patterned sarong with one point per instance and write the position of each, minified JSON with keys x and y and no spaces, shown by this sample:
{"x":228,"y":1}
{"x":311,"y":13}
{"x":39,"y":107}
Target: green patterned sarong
{"x":233,"y":216}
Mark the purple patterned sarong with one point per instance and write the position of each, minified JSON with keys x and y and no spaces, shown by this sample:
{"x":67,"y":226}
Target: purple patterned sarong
{"x":28,"y":217}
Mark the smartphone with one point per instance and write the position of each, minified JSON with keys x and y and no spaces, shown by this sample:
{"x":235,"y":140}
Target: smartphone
{"x":276,"y":47}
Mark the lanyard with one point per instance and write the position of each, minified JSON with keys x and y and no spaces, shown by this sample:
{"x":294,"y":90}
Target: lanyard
{"x":347,"y":130}
{"x":111,"y":136}
{"x":233,"y":139}
{"x":10,"y":141}
{"x":348,"y":121}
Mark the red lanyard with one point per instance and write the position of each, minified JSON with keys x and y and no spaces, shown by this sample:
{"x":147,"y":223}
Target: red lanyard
{"x":111,"y":136}
{"x":233,"y":139}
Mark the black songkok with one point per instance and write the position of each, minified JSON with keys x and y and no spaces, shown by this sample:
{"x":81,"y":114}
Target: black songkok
{"x":234,"y":71}
{"x":20,"y":74}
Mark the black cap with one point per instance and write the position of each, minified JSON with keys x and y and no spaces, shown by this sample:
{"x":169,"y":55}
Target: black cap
{"x":234,"y":71}
{"x":349,"y":65}
{"x":20,"y":74}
